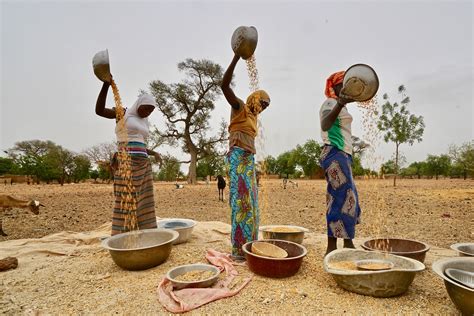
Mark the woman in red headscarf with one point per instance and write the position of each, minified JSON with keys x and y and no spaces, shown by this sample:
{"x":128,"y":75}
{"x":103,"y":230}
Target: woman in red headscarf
{"x":343,"y":211}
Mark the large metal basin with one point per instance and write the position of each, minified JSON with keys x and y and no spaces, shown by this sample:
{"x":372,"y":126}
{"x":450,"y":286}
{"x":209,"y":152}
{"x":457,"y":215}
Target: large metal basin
{"x":275,"y":267}
{"x":462,"y":296}
{"x":140,"y":250}
{"x":383,"y":283}
{"x":401,"y":247}
{"x":296,"y":236}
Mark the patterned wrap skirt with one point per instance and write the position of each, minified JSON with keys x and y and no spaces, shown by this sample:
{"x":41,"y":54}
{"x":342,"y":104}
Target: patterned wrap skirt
{"x":142,"y":179}
{"x":343,"y":210}
{"x":243,"y":198}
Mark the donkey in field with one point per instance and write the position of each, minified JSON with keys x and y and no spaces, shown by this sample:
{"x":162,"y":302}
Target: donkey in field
{"x":220,"y":187}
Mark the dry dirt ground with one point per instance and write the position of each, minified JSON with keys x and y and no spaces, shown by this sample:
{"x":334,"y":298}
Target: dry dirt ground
{"x":437,"y":212}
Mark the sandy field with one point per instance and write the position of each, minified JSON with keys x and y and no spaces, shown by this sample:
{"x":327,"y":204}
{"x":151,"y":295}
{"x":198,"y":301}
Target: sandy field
{"x":84,"y":279}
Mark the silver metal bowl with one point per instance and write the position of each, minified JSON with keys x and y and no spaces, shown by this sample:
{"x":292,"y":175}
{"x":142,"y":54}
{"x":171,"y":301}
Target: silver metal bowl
{"x":244,"y":41}
{"x":183,"y":226}
{"x":461,"y":276}
{"x":296,"y":236}
{"x":360,"y":82}
{"x":101,"y":66}
{"x":464,"y":249}
{"x":462,"y":296}
{"x":140,"y":250}
{"x":175,"y":272}
{"x":383,"y":283}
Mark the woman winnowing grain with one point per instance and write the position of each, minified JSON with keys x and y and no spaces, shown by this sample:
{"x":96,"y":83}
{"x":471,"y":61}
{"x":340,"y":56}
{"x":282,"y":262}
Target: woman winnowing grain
{"x":241,"y":162}
{"x":343,"y":211}
{"x":132,"y":139}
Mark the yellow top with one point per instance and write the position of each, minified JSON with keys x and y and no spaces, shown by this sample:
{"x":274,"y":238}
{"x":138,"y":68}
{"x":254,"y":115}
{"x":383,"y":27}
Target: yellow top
{"x":243,"y":122}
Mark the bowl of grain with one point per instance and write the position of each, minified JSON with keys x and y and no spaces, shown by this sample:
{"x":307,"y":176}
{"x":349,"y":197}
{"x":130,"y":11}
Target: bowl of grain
{"x":342,"y":264}
{"x":284,"y":232}
{"x":465,"y":249}
{"x":275,"y":267}
{"x":461,"y":294}
{"x":183,"y":226}
{"x":193,"y":275}
{"x":374,"y":265}
{"x":142,"y":249}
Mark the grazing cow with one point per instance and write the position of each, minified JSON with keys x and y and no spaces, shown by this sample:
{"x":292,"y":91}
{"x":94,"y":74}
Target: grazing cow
{"x":7,"y":203}
{"x":220,"y":187}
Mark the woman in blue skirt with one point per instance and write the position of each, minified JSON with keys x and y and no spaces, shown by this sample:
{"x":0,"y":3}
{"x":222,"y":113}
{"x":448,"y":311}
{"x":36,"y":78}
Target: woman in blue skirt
{"x":343,"y":211}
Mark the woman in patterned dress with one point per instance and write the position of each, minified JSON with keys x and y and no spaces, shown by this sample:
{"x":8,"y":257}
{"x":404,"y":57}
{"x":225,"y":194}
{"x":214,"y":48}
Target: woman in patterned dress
{"x":343,"y":211}
{"x":241,"y":162}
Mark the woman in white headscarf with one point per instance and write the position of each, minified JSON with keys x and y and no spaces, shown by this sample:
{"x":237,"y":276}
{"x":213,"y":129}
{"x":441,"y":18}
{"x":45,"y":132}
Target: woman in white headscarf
{"x":132,"y":131}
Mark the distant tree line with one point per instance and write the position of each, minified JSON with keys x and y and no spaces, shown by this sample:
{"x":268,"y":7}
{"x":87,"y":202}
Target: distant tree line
{"x":303,"y":161}
{"x":458,"y":162}
{"x":45,"y":161}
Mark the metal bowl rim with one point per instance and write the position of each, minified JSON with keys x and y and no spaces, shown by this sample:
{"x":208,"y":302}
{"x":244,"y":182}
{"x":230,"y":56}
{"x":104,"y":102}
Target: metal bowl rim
{"x":436,"y":267}
{"x":418,"y":265}
{"x":427,"y":247}
{"x":212,"y":268}
{"x":365,"y":65}
{"x":360,"y":262}
{"x":105,"y":242}
{"x":305,"y":251}
{"x":459,"y":244}
{"x":183,"y":220}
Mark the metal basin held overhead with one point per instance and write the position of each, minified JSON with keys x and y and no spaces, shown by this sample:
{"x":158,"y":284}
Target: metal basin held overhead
{"x":244,"y":41}
{"x":360,"y":83}
{"x":140,"y":250}
{"x":101,"y":66}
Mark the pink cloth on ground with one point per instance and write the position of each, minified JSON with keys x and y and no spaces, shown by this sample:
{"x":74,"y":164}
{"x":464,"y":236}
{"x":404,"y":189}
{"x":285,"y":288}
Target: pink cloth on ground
{"x":188,"y":299}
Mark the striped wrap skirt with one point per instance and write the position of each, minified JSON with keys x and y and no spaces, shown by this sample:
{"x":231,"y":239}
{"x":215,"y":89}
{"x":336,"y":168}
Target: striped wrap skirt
{"x":141,"y":191}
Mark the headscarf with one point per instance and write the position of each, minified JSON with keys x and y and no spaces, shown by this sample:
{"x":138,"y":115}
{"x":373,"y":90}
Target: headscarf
{"x":143,"y":99}
{"x":246,"y":120}
{"x":253,"y":101}
{"x":333,"y":80}
{"x":137,"y":127}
